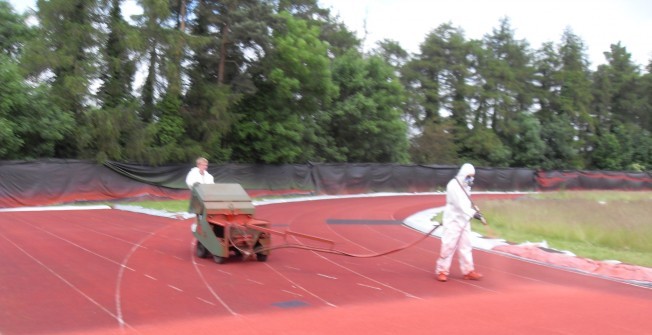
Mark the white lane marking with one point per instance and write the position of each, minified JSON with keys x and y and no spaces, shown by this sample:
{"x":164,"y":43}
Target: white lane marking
{"x":255,"y":282}
{"x":292,"y":267}
{"x":409,"y":295}
{"x":293,"y":293}
{"x":150,"y":277}
{"x":71,"y":285}
{"x":206,"y":301}
{"x":110,"y":236}
{"x":299,"y":286}
{"x":210,"y":289}
{"x":80,"y":247}
{"x":369,"y":286}
{"x":326,"y":276}
{"x":175,"y":288}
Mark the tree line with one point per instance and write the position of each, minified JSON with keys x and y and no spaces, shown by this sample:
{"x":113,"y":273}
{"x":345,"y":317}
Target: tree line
{"x":285,"y":81}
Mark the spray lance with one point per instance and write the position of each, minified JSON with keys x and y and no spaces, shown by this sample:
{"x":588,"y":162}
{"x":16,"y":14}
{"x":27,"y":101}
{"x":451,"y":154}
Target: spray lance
{"x":477,"y":215}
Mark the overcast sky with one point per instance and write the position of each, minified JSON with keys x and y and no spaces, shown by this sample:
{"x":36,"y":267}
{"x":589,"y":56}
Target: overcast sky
{"x":599,"y":23}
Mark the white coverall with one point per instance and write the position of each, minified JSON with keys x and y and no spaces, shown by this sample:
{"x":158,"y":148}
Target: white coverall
{"x":456,"y":223}
{"x":194,"y":176}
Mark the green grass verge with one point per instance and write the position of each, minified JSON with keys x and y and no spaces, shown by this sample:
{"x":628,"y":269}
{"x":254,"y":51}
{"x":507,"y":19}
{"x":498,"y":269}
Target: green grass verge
{"x":173,"y":206}
{"x":597,"y":225}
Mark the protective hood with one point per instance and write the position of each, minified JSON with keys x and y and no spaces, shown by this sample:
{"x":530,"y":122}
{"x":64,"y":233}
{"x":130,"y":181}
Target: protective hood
{"x":465,"y":170}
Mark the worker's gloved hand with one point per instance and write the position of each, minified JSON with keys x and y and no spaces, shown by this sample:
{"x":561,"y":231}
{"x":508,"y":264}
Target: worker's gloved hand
{"x":478,"y":216}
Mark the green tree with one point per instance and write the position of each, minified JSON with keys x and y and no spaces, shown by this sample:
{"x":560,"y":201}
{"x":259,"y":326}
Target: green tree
{"x":154,"y":27}
{"x":331,"y":30}
{"x":562,"y":80}
{"x":30,"y":126}
{"x":64,"y":51}
{"x":424,"y":76}
{"x":224,"y":34}
{"x":119,"y":68}
{"x":366,"y":119}
{"x":625,"y":95}
{"x":294,"y":89}
{"x":14,"y":33}
{"x":435,"y":144}
{"x":604,"y":154}
{"x":506,"y":76}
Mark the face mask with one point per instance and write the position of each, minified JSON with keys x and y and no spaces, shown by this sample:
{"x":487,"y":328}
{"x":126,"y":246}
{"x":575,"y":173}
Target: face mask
{"x":469,"y":180}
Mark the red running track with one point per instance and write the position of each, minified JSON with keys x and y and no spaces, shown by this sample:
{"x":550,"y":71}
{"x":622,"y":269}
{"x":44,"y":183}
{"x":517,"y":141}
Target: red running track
{"x":118,"y":272}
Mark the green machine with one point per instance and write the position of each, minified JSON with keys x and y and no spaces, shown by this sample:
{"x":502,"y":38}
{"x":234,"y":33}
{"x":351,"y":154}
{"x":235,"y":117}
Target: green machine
{"x":225,"y":225}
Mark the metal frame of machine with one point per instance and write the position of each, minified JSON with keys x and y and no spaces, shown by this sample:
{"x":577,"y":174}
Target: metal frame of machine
{"x":225,"y":225}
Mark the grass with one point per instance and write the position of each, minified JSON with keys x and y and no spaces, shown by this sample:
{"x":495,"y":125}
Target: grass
{"x":172,"y":206}
{"x":600,"y":225}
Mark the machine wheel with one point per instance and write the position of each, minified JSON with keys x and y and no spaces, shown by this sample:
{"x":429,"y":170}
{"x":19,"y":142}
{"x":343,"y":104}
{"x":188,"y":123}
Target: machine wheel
{"x":238,"y":254}
{"x":202,"y":252}
{"x":219,"y":259}
{"x":259,"y":255}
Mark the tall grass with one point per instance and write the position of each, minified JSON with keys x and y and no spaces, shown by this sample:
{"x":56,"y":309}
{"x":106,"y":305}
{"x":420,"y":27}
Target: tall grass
{"x":596,"y":225}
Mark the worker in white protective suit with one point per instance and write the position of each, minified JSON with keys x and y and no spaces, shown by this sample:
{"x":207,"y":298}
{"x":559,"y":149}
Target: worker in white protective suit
{"x":198,"y":174}
{"x":457,"y":226}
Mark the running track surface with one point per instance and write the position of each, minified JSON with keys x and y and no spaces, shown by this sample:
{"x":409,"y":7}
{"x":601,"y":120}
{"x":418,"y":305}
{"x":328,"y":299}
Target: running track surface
{"x":119,"y":272}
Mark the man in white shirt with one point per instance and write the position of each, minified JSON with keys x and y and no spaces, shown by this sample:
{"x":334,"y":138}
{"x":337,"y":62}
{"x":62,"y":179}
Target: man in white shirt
{"x":199,"y":175}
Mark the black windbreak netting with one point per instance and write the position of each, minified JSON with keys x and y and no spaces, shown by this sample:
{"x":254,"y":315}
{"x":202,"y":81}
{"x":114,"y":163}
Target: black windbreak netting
{"x":172,"y":176}
{"x":250,"y":176}
{"x":364,"y":178}
{"x":56,"y":181}
{"x":593,"y":180}
{"x":265,"y":177}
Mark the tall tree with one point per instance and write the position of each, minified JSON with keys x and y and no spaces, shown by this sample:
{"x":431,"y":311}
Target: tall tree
{"x":575,"y":94}
{"x":230,"y":38}
{"x":506,"y":78}
{"x":30,"y":125}
{"x":563,"y":94}
{"x":366,"y":120}
{"x":331,"y":29}
{"x":14,"y":32}
{"x":154,"y":26}
{"x":114,"y":129}
{"x":119,"y":68}
{"x":626,"y":96}
{"x":64,"y":52}
{"x":280,"y":122}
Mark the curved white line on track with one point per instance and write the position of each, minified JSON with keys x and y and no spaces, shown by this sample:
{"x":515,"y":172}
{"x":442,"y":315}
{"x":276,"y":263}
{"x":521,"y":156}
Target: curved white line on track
{"x":118,"y":285}
{"x":206,"y":284}
{"x":71,"y":285}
